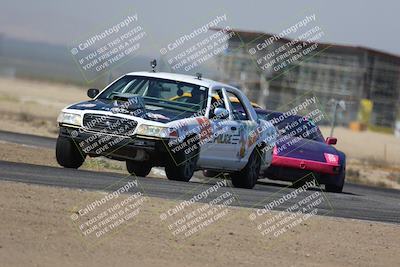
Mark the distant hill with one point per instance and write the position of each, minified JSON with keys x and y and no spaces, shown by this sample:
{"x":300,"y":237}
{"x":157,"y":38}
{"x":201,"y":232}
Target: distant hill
{"x":52,"y":62}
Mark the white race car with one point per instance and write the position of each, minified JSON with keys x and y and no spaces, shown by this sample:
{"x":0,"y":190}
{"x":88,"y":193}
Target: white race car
{"x":183,"y":123}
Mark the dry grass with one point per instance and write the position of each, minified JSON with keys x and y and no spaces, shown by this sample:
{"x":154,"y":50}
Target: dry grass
{"x":99,"y":164}
{"x":353,"y":175}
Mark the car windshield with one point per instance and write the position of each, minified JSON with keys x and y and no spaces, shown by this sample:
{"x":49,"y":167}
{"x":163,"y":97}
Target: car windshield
{"x":159,"y":92}
{"x":296,"y":126}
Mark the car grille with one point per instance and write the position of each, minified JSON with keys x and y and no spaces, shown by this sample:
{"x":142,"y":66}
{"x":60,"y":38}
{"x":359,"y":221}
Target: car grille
{"x":108,"y":124}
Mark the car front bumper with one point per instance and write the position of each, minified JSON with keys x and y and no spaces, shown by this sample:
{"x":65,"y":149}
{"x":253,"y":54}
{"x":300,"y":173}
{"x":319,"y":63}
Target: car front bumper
{"x":137,"y":148}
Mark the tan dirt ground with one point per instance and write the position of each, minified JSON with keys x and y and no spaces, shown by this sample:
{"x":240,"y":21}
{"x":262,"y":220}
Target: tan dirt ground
{"x":36,"y":231}
{"x":32,"y":106}
{"x":367,"y":145}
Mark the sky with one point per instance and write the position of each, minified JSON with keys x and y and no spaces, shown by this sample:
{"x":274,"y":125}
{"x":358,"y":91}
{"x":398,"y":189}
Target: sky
{"x":373,"y":24}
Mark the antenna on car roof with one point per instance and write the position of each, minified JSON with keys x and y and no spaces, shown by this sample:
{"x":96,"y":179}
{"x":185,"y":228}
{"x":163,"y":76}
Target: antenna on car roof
{"x":199,"y":75}
{"x":153,"y":65}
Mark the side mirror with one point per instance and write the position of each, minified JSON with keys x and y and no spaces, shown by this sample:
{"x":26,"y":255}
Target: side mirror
{"x":92,"y":92}
{"x":331,"y":140}
{"x":221,"y":113}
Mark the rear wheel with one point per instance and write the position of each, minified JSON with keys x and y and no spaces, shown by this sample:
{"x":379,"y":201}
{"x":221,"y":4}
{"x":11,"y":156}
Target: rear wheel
{"x":337,"y":181}
{"x":138,"y":168}
{"x":335,"y":188}
{"x":247,"y":177}
{"x":68,"y":154}
{"x":298,"y":183}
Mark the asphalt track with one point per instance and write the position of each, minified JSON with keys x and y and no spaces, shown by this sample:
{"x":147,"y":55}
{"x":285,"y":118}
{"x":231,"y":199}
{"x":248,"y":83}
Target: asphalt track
{"x":356,"y":202}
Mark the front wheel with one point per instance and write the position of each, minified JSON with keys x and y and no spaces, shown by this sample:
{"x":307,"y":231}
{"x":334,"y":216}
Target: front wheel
{"x":182,"y":172}
{"x":182,"y":163}
{"x":68,"y":154}
{"x":138,"y":168}
{"x":247,"y":177}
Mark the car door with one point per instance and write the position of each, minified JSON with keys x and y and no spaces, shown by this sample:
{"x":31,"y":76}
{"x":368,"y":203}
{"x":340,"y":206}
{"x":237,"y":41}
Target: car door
{"x":244,"y":140}
{"x":221,"y":149}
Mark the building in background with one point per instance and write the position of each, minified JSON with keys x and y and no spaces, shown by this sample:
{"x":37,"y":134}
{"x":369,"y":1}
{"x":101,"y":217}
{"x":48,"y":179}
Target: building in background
{"x":331,"y":71}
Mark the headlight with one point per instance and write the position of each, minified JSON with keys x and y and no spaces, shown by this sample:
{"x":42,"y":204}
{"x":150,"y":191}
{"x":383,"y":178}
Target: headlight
{"x":70,"y":118}
{"x":155,"y":131}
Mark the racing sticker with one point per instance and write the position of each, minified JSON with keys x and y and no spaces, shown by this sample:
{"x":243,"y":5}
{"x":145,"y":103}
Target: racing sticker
{"x":253,"y":137}
{"x":205,"y":128}
{"x":242,"y":141}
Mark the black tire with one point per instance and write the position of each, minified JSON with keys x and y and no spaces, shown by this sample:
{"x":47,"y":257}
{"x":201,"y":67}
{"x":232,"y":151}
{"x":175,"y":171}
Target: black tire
{"x":333,"y":188}
{"x":298,"y":183}
{"x":182,"y":172}
{"x":182,"y":166}
{"x":247,"y":177}
{"x":68,"y":154}
{"x":138,"y":168}
{"x":338,"y":180}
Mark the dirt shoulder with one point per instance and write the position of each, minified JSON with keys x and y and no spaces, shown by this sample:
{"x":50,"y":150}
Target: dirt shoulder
{"x":46,"y":157}
{"x":367,"y":145}
{"x":36,"y":230}
{"x":28,"y":106}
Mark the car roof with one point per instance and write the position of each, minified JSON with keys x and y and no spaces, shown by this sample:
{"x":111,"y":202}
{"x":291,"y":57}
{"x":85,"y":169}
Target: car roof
{"x":179,"y":77}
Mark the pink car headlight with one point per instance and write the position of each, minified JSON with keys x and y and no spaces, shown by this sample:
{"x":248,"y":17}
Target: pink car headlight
{"x":331,"y":158}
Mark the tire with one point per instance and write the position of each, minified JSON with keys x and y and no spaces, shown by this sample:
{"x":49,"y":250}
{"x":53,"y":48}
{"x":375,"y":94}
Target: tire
{"x":68,"y":154}
{"x":247,"y":177}
{"x":138,"y":168}
{"x":338,"y":180}
{"x":182,"y":166}
{"x":299,"y":183}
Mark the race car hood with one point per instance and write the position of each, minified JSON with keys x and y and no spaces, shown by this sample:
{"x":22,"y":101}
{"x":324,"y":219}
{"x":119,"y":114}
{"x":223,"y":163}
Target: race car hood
{"x":302,"y":148}
{"x":153,"y":113}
